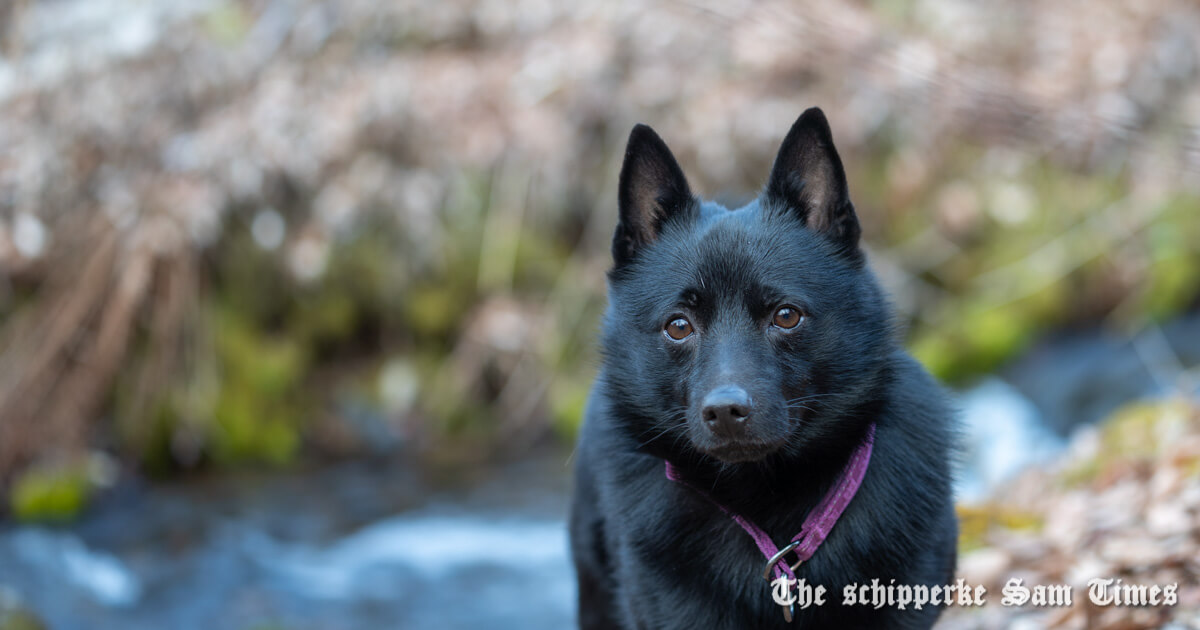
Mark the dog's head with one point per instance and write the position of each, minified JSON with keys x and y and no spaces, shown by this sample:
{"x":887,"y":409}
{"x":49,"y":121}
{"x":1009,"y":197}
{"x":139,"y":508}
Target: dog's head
{"x":738,"y":334}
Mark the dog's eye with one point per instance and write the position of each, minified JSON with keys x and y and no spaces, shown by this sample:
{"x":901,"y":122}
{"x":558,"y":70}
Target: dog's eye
{"x":787,"y":317}
{"x":678,"y":329}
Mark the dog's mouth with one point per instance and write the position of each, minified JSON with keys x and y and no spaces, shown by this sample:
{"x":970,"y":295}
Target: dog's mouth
{"x":741,"y":452}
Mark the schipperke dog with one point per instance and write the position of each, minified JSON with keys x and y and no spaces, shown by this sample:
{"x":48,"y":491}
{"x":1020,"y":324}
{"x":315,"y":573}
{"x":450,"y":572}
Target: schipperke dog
{"x":749,"y":362}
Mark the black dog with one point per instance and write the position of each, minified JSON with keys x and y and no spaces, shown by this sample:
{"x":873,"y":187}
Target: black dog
{"x":753,"y":350}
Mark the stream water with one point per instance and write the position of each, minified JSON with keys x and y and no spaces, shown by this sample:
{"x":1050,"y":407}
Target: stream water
{"x":346,"y":547}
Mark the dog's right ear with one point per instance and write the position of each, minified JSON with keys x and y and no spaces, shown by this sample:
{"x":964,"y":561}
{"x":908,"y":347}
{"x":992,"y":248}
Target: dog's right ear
{"x":652,"y":191}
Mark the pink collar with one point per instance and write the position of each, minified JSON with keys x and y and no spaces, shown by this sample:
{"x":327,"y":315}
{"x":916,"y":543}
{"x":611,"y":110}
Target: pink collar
{"x":819,"y":521}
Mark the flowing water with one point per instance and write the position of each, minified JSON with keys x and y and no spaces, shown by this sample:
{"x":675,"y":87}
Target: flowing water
{"x":347,"y":547}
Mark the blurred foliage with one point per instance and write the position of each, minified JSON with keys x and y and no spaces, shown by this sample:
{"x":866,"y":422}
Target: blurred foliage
{"x":283,"y":348}
{"x":50,"y":494}
{"x":388,"y":223}
{"x":254,"y":394}
{"x":261,"y":401}
{"x":1035,"y":249}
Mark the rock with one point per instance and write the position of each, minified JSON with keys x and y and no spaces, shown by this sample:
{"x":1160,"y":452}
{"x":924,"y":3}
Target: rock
{"x":1168,"y":518}
{"x":985,"y":566}
{"x":1133,"y":551}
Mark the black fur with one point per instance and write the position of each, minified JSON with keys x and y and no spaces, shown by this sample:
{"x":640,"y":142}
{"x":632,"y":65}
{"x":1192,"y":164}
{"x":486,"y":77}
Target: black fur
{"x":651,"y":553}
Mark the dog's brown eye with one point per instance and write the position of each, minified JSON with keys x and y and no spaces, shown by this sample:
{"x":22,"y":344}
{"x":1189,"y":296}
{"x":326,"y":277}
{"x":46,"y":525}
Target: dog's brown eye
{"x":787,"y":317}
{"x":678,"y":329}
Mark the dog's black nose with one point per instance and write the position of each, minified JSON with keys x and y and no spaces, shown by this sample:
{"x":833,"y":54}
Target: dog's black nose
{"x":726,"y":409}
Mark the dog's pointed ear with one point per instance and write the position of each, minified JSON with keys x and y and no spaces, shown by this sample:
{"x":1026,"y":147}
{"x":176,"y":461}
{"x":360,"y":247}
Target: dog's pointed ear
{"x":652,"y":191}
{"x":808,"y":179}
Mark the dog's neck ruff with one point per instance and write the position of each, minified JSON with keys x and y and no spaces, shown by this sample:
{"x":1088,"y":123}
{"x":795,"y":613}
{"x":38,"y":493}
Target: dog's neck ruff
{"x":817,"y":524}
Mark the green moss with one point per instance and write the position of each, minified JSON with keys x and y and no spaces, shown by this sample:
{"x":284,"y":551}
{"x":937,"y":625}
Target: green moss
{"x":227,"y":24}
{"x":50,"y":494}
{"x":1046,"y":306}
{"x":937,"y":353}
{"x":1173,"y":284}
{"x":328,"y":318}
{"x":153,"y":435}
{"x":976,"y":523}
{"x":260,"y":410}
{"x":435,"y":310}
{"x":19,"y":620}
{"x":1081,"y":474}
{"x":467,"y":419}
{"x":1134,"y":432}
{"x":995,"y":334}
{"x":972,"y":342}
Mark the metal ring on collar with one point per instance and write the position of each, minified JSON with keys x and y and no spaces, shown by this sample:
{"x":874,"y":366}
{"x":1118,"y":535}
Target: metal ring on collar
{"x":774,"y":560}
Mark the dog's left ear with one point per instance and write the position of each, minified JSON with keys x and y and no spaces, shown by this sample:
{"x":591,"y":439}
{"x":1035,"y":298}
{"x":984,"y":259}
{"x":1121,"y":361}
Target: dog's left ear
{"x":808,"y":179}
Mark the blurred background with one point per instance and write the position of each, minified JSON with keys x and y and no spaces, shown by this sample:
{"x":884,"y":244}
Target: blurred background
{"x":298,"y":298}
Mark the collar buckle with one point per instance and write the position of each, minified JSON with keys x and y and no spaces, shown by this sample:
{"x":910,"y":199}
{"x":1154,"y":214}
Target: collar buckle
{"x":778,"y":557}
